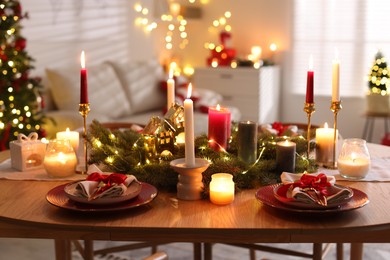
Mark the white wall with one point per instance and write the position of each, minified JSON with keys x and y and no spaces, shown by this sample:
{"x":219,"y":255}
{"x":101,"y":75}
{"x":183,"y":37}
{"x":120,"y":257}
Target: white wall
{"x":57,"y":31}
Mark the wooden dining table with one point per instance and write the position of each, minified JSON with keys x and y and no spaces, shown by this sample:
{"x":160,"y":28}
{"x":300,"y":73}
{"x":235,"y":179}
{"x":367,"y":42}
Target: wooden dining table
{"x":26,"y":213}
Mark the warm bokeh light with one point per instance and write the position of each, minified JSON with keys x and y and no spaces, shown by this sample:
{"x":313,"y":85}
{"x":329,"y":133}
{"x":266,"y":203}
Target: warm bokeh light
{"x":188,"y":70}
{"x":273,"y":47}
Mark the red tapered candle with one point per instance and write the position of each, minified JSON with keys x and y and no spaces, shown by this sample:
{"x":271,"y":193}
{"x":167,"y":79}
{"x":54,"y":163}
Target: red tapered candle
{"x":83,"y":81}
{"x":310,"y":83}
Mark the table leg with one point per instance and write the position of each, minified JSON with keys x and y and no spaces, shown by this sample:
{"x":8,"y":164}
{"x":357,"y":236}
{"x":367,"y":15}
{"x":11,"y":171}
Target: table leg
{"x":62,"y":249}
{"x":371,"y":128}
{"x":207,"y":247}
{"x":88,"y":250}
{"x":317,"y":251}
{"x":356,"y":251}
{"x":197,"y":251}
{"x":340,"y":251}
{"x":365,"y":129}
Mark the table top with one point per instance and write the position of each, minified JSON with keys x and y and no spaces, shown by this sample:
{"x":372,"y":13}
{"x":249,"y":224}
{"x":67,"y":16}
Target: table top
{"x":24,"y":212}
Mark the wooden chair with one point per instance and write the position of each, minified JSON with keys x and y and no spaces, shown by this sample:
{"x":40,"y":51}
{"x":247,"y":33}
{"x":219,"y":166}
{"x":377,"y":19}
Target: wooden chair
{"x":319,"y":250}
{"x":87,"y":252}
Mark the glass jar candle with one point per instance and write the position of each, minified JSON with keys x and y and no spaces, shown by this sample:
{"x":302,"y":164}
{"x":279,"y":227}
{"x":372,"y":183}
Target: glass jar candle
{"x":221,"y":188}
{"x":60,"y":158}
{"x":354,"y":159}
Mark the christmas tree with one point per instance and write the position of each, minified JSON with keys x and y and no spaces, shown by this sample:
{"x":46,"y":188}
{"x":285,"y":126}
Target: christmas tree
{"x":20,"y":98}
{"x":378,"y":78}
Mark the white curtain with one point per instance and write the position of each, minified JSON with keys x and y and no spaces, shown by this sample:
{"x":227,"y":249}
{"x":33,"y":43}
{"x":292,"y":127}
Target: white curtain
{"x":355,"y":28}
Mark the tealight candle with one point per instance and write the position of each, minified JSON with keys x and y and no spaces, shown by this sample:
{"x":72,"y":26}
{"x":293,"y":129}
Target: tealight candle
{"x":324,"y":145}
{"x":60,"y":159}
{"x":285,"y":156}
{"x":221,"y":188}
{"x":72,"y":136}
{"x":354,"y":159}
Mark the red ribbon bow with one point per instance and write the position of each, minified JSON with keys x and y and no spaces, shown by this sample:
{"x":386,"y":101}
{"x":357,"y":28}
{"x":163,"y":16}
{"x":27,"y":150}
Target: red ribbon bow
{"x":319,"y":182}
{"x":279,"y":127}
{"x":106,"y":181}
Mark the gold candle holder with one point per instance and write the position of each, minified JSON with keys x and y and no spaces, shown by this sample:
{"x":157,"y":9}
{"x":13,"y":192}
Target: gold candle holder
{"x":309,"y":109}
{"x":335,"y":107}
{"x":84,"y":110}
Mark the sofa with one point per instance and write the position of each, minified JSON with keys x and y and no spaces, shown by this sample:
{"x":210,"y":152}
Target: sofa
{"x":130,"y":93}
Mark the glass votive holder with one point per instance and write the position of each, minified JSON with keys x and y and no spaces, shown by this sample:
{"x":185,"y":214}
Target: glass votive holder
{"x":60,"y":158}
{"x":354,"y":159}
{"x":221,"y":188}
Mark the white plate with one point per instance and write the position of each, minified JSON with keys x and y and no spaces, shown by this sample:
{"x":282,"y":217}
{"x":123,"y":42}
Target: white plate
{"x":131,"y":192}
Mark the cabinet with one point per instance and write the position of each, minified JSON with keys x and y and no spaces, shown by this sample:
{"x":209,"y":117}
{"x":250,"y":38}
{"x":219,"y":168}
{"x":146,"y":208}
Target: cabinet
{"x":255,"y":92}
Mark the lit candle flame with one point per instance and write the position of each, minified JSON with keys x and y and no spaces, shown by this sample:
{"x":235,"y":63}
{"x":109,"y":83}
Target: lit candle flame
{"x":189,"y":91}
{"x":171,"y":73}
{"x":172,"y":67}
{"x":82,"y":60}
{"x":218,"y":107}
{"x":326,"y":125}
{"x":353,"y":157}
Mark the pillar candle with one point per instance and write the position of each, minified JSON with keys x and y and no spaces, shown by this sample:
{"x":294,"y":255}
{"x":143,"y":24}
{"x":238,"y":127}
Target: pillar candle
{"x":189,"y":129}
{"x":285,"y":156}
{"x":221,"y":188}
{"x":324,"y":145}
{"x":336,"y":79}
{"x":170,"y":90}
{"x":72,"y":136}
{"x":247,"y":141}
{"x":310,"y":83}
{"x":219,"y":127}
{"x":83,"y":81}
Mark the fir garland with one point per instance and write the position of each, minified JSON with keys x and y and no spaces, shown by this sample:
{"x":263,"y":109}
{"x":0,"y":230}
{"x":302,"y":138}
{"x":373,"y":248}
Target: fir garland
{"x":123,"y":151}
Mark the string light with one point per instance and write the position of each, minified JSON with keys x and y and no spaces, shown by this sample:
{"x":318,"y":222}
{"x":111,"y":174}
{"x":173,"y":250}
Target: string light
{"x":143,"y":20}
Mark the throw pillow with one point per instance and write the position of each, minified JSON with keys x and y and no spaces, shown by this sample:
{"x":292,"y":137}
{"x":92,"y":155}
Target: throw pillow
{"x":105,"y":91}
{"x":141,"y":84}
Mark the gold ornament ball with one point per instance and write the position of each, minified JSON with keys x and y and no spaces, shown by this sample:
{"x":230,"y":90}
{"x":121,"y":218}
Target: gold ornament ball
{"x":166,"y":155}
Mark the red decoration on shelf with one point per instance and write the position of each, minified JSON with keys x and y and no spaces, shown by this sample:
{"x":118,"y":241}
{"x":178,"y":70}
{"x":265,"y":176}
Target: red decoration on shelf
{"x":227,"y":53}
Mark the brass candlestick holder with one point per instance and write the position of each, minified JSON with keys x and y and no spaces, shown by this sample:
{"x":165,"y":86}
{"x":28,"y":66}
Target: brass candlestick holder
{"x":335,"y":107}
{"x":84,"y":110}
{"x":309,"y":109}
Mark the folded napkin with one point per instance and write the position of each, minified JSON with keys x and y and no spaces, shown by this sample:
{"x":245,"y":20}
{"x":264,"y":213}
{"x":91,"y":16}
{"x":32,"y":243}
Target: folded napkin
{"x":316,"y":189}
{"x":98,"y":185}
